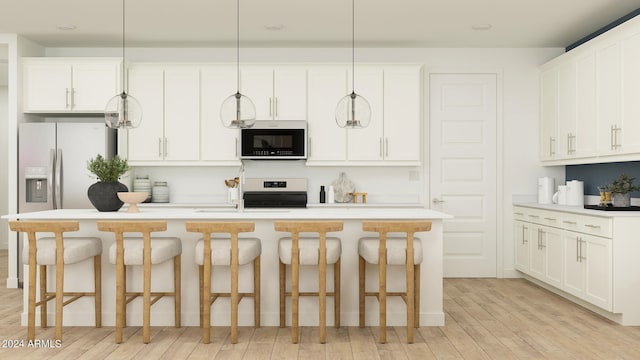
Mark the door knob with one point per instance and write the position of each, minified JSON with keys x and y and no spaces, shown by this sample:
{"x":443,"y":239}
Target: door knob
{"x":437,"y":201}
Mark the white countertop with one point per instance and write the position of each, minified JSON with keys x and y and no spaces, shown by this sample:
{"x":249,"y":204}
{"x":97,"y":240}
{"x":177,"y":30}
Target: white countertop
{"x":204,"y":213}
{"x":580,"y":210}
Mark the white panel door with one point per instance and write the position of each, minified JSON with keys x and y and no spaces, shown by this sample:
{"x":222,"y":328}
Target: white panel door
{"x":94,"y":84}
{"x":609,"y":97}
{"x":402,"y":96}
{"x":217,"y":141}
{"x":182,"y":114}
{"x":368,"y":143}
{"x":463,"y":155}
{"x":290,"y":93}
{"x":47,"y":86}
{"x":256,"y":82}
{"x":630,"y":129}
{"x":145,"y":142}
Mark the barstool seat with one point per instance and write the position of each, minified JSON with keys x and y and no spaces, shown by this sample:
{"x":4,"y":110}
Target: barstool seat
{"x":369,"y":248}
{"x":232,"y":252}
{"x":59,"y":251}
{"x":144,"y":251}
{"x":76,"y":249}
{"x":248,"y":250}
{"x":163,"y":249}
{"x":308,"y":248}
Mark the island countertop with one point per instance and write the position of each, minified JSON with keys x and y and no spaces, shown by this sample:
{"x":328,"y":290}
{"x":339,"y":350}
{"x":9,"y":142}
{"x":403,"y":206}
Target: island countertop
{"x":431,"y":301}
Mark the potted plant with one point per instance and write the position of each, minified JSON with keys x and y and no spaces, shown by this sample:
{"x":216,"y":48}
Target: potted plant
{"x":104,"y":194}
{"x":620,"y":190}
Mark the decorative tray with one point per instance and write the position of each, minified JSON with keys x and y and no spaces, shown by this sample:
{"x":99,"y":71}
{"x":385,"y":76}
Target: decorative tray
{"x":612,"y":208}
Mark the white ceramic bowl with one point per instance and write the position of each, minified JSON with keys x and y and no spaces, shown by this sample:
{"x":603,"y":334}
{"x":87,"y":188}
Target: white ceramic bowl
{"x":133,"y":198}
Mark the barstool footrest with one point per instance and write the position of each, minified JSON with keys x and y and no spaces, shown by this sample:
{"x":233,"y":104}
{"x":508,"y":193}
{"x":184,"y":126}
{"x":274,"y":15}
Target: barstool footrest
{"x":306,"y":293}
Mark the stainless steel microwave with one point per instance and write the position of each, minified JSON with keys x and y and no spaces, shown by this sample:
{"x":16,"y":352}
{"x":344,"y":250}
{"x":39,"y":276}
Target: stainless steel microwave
{"x":274,"y":140}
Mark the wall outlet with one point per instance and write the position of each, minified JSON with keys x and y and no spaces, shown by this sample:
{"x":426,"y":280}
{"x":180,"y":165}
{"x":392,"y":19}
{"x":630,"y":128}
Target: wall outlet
{"x":414,"y":175}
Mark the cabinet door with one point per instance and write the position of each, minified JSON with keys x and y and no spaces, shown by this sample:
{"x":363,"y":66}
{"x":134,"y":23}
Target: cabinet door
{"x":368,"y":143}
{"x":553,"y":253}
{"x":218,"y":143}
{"x":608,"y":97}
{"x":573,"y":281}
{"x":94,"y":84}
{"x":566,"y":109}
{"x":402,"y":95}
{"x":146,"y":141}
{"x":290,"y":93}
{"x":586,"y":120}
{"x":629,"y":134}
{"x":549,"y":114}
{"x":181,"y":114}
{"x":257,"y":85}
{"x":47,"y":86}
{"x":537,"y":264}
{"x":327,"y":141}
{"x":597,"y":257}
{"x":521,"y":236}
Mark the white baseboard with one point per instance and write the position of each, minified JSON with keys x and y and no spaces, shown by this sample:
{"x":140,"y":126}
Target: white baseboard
{"x":12,"y":283}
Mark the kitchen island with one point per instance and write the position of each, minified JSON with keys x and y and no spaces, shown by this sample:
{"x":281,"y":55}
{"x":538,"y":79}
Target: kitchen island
{"x":80,"y":313}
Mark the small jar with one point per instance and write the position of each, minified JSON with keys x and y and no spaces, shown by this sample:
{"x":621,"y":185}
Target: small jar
{"x":160,"y":192}
{"x":142,"y":183}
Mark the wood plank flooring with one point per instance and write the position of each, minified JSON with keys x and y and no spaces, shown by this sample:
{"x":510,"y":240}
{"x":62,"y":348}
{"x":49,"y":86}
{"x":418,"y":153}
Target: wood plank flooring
{"x":485,"y":319}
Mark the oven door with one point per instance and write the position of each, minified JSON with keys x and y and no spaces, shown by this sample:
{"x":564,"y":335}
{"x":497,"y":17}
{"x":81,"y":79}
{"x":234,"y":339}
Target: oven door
{"x":278,"y":144}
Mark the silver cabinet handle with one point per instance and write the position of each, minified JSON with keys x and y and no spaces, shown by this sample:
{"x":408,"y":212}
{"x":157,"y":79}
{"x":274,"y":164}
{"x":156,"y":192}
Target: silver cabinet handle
{"x":276,"y":106}
{"x":539,"y":238}
{"x":533,"y":216}
{"x":380,"y":148}
{"x":437,"y":201}
{"x":569,"y":144}
{"x":309,"y":148}
{"x":166,"y":145}
{"x":577,"y":249}
{"x":160,"y":147}
{"x":612,"y":136}
{"x":270,"y":106}
{"x":616,"y":131}
{"x":518,"y":213}
{"x":236,"y":146}
{"x":66,"y":98}
{"x":73,"y":97}
{"x":386,"y":146}
{"x":551,"y":141}
{"x":550,"y":219}
{"x":569,"y":222}
{"x":592,"y":226}
{"x":524,"y":230}
{"x":582,"y":257}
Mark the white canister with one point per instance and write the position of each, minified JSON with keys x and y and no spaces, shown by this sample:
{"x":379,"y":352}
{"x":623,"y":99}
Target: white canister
{"x":160,"y":192}
{"x":575,"y":193}
{"x":232,"y":195}
{"x":546,"y":185}
{"x":142,"y":183}
{"x":560,"y":197}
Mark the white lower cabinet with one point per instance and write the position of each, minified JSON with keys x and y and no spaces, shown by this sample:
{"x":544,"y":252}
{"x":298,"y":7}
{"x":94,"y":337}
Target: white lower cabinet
{"x":574,"y":253}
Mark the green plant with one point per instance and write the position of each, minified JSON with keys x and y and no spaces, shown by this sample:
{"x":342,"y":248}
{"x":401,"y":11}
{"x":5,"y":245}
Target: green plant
{"x":622,"y":185}
{"x":108,"y":170}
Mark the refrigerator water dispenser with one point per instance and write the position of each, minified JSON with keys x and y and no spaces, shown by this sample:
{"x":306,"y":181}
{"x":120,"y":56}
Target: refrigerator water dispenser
{"x":36,"y":184}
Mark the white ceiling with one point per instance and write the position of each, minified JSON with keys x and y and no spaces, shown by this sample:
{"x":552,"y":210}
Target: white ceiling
{"x":394,"y":23}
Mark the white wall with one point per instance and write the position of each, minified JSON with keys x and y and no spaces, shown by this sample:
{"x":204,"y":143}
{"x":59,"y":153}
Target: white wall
{"x":4,"y":120}
{"x":518,"y":69}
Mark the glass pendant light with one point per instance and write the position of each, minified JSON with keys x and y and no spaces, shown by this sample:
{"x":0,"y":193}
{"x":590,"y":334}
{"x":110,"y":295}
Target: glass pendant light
{"x":353,"y":111}
{"x":238,"y":111}
{"x":123,"y":111}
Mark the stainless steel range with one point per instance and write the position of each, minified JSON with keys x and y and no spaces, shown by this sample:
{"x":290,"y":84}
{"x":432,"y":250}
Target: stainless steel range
{"x":275,"y":193}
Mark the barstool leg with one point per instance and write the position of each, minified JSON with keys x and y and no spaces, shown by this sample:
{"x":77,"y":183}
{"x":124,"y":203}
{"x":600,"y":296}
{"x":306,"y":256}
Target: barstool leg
{"x":295,"y":275}
{"x":282,"y":272}
{"x":59,"y":291}
{"x":201,"y":293}
{"x":416,"y":307}
{"x":382,"y":295}
{"x":146,"y":297}
{"x":177,"y":289}
{"x":361,"y":288}
{"x":256,"y":292}
{"x":123,"y":313}
{"x":234,"y":301}
{"x":410,"y":280}
{"x":97,"y":280}
{"x":336,"y":290}
{"x":120,"y":298}
{"x":322,"y":294}
{"x":31,"y":326}
{"x":43,"y":296}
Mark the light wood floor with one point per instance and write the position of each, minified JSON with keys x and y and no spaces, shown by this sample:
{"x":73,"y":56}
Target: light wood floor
{"x":485,"y":319}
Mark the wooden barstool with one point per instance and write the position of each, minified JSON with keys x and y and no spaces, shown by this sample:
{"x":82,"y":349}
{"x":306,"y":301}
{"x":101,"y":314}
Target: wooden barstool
{"x":58,"y":251}
{"x":225,"y":252}
{"x":319,"y":251}
{"x":138,"y":251}
{"x":392,"y":251}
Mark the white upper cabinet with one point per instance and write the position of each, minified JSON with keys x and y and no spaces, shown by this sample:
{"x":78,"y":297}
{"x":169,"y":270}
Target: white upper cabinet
{"x":217,"y":142}
{"x":327,"y":84}
{"x":590,"y":96}
{"x":170,"y":127}
{"x":279,"y":93}
{"x":393,"y":135}
{"x":69,"y":85}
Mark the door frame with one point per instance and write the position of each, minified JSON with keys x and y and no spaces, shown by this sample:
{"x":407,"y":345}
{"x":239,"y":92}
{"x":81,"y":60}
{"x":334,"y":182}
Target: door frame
{"x":500,"y":195}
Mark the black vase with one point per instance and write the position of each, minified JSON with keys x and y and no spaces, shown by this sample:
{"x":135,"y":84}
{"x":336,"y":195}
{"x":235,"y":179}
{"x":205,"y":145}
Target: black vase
{"x":104,"y":195}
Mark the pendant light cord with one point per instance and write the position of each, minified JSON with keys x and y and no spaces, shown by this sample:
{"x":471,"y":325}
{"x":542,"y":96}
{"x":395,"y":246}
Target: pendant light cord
{"x":353,"y":46}
{"x":238,"y":46}
{"x":123,"y":47}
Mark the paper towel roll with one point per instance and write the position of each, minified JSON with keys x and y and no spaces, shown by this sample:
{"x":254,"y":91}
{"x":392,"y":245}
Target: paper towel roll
{"x":575,"y":193}
{"x":545,"y":189}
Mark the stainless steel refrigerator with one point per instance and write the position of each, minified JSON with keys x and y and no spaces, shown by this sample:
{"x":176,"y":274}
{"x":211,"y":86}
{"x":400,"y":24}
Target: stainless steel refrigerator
{"x":52,"y":159}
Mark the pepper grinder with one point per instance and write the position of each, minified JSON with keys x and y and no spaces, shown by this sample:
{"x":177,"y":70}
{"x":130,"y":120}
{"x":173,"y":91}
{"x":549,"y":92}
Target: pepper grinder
{"x":322,"y":194}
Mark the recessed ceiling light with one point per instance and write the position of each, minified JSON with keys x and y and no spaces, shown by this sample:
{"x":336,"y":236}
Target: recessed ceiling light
{"x":481,"y":26}
{"x":66,"y":27}
{"x":274,"y":27}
